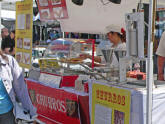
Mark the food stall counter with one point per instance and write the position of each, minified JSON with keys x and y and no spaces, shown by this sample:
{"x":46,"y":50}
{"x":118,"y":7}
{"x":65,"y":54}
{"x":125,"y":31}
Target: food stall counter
{"x":125,"y":102}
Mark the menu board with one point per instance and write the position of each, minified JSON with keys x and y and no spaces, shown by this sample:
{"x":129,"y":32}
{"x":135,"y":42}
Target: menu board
{"x":24,"y":23}
{"x":52,"y":9}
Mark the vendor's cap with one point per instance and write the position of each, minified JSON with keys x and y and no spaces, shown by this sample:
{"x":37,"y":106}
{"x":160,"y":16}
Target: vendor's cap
{"x":113,"y":28}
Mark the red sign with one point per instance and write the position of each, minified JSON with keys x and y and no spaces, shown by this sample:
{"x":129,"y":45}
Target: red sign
{"x":52,"y":9}
{"x":55,"y":106}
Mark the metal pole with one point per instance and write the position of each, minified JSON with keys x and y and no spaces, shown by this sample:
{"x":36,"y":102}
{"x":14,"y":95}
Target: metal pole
{"x":150,"y":63}
{"x":40,"y":34}
{"x":63,"y":34}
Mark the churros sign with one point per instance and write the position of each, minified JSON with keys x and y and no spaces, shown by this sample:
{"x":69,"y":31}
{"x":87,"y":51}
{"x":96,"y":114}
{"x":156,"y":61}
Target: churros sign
{"x":54,"y":104}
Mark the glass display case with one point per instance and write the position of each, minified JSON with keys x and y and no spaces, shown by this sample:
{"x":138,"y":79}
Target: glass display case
{"x":63,"y":56}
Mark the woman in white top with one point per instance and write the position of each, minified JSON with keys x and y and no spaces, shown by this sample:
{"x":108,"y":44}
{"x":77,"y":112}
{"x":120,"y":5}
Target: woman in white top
{"x":118,"y":42}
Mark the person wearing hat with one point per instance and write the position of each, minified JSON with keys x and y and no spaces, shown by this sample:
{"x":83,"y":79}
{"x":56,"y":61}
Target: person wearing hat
{"x":116,"y":36}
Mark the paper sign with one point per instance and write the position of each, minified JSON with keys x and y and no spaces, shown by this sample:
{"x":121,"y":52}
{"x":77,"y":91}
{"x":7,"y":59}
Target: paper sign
{"x":52,"y":9}
{"x":21,"y":21}
{"x":24,"y":24}
{"x":50,"y":80}
{"x":102,"y":112}
{"x":48,"y":64}
{"x":110,"y":105}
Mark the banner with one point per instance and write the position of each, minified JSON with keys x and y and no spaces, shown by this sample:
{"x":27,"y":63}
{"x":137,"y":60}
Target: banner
{"x":110,"y":105}
{"x":54,"y":105}
{"x":24,"y":27}
{"x":94,"y":15}
{"x":52,"y":9}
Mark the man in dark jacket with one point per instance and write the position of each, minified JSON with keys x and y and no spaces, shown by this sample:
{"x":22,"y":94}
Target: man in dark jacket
{"x":7,"y":45}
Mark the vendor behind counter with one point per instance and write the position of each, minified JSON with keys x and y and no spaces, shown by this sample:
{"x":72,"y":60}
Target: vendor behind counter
{"x":116,"y":36}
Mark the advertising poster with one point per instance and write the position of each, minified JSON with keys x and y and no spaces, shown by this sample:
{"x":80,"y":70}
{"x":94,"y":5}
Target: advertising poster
{"x":52,"y":9}
{"x":110,"y":105}
{"x":53,"y":105}
{"x":24,"y":26}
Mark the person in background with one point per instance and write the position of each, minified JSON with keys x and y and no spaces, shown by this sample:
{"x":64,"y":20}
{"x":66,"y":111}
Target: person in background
{"x":5,"y":46}
{"x":52,"y":35}
{"x":8,"y":46}
{"x":12,"y":48}
{"x":48,"y":40}
{"x":12,"y":34}
{"x":8,"y":41}
{"x":117,"y":39}
{"x":161,"y":57}
{"x":4,"y":33}
{"x":56,"y":35}
{"x":76,"y":35}
{"x":12,"y":85}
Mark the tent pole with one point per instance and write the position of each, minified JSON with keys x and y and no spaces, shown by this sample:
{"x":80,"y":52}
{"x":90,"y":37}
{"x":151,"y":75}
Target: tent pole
{"x":150,"y":83}
{"x":63,"y":34}
{"x":40,"y":34}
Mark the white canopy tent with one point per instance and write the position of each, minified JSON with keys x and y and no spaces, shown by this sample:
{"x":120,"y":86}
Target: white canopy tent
{"x":93,"y":16}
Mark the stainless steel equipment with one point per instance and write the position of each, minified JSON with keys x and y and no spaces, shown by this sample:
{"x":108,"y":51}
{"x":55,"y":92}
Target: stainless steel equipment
{"x":135,"y":34}
{"x":108,"y":55}
{"x":120,"y":53}
{"x":135,"y":43}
